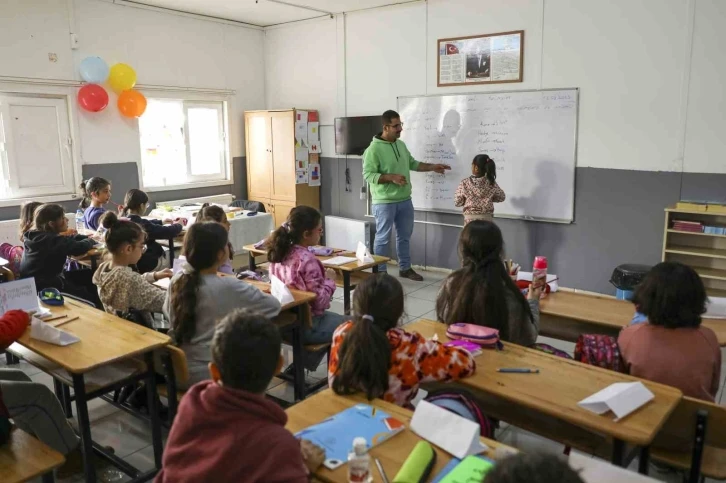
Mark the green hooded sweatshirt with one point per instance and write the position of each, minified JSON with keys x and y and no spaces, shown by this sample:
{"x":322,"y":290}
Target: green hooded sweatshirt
{"x":383,"y":157}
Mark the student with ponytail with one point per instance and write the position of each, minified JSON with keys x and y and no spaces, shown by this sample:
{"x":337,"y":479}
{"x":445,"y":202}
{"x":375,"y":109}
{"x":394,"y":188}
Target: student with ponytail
{"x":373,"y":355}
{"x":95,"y":192}
{"x":197,"y":297}
{"x":119,"y":287}
{"x":292,"y":262}
{"x":478,"y":193}
{"x":216,"y":213}
{"x":136,"y":203}
{"x":483,"y":293}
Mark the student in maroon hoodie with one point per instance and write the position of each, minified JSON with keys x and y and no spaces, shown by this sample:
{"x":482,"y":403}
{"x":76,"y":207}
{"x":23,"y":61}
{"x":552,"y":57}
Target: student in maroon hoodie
{"x":225,"y":429}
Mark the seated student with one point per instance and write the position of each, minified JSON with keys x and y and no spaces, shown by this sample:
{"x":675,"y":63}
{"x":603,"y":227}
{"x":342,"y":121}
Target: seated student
{"x":32,"y":405}
{"x":226,"y":430}
{"x":373,"y":355}
{"x":136,"y":203}
{"x":45,"y":252}
{"x":197,"y":297}
{"x":216,"y":213}
{"x":297,"y":267}
{"x":532,"y":468}
{"x":95,"y":193}
{"x":27,"y":215}
{"x":673,"y":348}
{"x":483,"y":293}
{"x":119,"y":287}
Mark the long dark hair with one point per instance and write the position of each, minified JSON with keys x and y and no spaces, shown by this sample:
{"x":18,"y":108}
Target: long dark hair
{"x":90,"y":186}
{"x":364,"y":357}
{"x":47,"y":214}
{"x":133,"y":200}
{"x":27,"y":215}
{"x":486,"y":166}
{"x":477,"y":292}
{"x":214,"y":213}
{"x":300,"y":220}
{"x":120,"y":231}
{"x":202,"y":244}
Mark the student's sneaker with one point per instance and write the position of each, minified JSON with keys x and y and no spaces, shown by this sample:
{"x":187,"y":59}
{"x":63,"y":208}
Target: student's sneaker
{"x":410,"y":274}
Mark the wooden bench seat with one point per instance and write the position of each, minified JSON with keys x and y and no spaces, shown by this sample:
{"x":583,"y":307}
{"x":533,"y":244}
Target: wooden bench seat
{"x":24,"y":457}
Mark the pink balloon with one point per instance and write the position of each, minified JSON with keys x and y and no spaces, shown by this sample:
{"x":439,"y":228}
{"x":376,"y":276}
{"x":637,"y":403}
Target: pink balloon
{"x":93,"y":98}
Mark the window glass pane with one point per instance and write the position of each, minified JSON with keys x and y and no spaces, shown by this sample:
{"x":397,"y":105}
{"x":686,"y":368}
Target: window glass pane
{"x":163,"y":150}
{"x":204,"y":140}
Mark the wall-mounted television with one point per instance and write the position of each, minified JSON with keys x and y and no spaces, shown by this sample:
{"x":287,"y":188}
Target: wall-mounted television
{"x":354,"y":134}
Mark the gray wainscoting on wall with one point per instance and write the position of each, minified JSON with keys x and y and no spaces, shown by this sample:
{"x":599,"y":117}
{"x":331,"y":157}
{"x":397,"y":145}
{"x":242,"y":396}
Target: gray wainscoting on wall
{"x":618,"y":219}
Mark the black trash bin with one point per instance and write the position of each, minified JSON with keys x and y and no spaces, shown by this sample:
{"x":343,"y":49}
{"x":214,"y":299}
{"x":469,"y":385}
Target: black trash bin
{"x":626,"y":277}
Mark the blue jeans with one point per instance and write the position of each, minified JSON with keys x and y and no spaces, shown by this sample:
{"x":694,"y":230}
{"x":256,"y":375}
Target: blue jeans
{"x":387,"y":215}
{"x":323,"y":327}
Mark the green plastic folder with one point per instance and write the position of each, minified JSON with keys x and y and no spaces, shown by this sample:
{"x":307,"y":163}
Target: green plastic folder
{"x":470,"y":469}
{"x":418,"y":465}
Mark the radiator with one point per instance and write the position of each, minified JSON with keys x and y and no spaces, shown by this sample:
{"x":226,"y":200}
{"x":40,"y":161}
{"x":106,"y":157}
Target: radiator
{"x":345,"y":233}
{"x":9,"y":229}
{"x":225,"y":199}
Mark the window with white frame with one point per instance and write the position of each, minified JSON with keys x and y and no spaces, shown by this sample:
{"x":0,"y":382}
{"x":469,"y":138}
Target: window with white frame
{"x":183,"y":142}
{"x":36,"y":149}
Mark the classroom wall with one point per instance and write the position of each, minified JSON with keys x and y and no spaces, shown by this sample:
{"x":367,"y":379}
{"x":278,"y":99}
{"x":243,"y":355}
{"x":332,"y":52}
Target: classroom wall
{"x":651,"y":117}
{"x":165,"y":49}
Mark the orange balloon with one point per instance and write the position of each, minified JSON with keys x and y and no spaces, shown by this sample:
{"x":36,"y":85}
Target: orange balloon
{"x":131,"y":103}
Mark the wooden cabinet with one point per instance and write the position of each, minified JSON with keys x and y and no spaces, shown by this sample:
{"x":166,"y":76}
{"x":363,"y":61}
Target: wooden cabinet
{"x":702,"y":250}
{"x":270,"y":140}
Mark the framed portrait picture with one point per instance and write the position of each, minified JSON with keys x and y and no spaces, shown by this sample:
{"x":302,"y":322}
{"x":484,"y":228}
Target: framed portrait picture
{"x":481,"y":59}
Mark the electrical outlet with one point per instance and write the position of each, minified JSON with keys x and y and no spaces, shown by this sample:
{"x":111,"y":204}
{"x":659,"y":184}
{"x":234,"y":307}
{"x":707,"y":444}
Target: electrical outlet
{"x":74,"y":41}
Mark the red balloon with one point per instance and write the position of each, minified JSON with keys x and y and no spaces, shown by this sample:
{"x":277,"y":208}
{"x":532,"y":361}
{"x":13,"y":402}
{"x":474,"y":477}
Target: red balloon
{"x":131,"y":103}
{"x":93,"y":98}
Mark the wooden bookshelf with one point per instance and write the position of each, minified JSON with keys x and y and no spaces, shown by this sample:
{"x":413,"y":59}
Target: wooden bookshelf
{"x":705,"y":252}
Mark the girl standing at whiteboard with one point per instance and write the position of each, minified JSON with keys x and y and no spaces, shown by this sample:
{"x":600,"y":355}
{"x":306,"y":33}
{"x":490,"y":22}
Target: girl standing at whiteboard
{"x":478,"y":193}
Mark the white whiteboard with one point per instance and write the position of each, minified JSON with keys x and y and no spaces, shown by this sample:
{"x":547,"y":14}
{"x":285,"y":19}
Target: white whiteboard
{"x":531,"y":135}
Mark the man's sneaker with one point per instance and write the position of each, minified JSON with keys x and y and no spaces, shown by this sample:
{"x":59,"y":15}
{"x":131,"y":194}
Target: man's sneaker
{"x":410,"y":274}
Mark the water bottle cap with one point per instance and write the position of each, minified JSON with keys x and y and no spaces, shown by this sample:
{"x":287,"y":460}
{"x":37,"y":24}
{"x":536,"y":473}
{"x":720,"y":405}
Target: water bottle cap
{"x":540,"y":262}
{"x":360,"y":445}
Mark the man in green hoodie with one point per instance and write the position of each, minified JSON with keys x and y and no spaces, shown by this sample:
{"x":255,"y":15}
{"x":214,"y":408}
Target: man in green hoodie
{"x":386,"y":168}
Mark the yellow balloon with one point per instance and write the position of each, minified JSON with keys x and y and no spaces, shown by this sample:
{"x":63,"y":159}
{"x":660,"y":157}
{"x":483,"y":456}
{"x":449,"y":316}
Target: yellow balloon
{"x":122,"y":77}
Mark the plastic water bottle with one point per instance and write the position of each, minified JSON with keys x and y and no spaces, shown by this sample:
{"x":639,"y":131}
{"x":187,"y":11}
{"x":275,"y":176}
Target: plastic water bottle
{"x":359,"y":462}
{"x":539,"y":272}
{"x":80,"y":224}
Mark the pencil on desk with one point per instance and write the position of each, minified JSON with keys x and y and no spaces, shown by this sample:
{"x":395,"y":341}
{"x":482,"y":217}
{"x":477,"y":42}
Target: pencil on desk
{"x":66,"y":321}
{"x":56,"y":318}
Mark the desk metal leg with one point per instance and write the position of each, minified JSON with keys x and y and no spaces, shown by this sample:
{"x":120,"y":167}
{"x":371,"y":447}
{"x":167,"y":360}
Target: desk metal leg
{"x":153,"y":408}
{"x":643,"y":460}
{"x":251,"y":265}
{"x":346,"y":292}
{"x":84,"y":426}
{"x":375,"y":269}
{"x":94,"y":263}
{"x":297,"y":356}
{"x":171,"y":252}
{"x":618,"y":452}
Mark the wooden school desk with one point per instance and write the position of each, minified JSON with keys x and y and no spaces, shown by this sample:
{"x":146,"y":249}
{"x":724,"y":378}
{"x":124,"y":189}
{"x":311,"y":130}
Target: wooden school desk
{"x":555,"y":392}
{"x":350,"y":271}
{"x":90,"y":258}
{"x":301,"y":308}
{"x":105,"y":339}
{"x":392,"y":453}
{"x":567,"y":315}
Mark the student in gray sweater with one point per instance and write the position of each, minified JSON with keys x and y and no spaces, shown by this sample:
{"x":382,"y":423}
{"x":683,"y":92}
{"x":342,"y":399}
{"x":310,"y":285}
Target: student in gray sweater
{"x":483,"y":293}
{"x":198,"y":298}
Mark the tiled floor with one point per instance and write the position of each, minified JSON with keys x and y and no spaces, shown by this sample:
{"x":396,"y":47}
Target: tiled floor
{"x":131,"y":438}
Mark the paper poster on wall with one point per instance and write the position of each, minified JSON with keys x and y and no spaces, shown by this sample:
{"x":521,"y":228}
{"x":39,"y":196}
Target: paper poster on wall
{"x":301,"y":128}
{"x":313,"y":134}
{"x":312,"y":116}
{"x":314,"y":147}
{"x":301,"y":176}
{"x":481,"y":59}
{"x":314,"y":175}
{"x":301,"y":154}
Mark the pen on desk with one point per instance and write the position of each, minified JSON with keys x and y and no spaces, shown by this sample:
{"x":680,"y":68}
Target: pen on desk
{"x":55,"y":318}
{"x":518,"y":370}
{"x":66,"y":321}
{"x":380,"y":470}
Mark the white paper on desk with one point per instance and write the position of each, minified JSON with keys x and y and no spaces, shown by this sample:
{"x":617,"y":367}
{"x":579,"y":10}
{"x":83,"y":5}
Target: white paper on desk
{"x":527,"y":276}
{"x":448,"y":431}
{"x":622,"y":398}
{"x":47,"y":333}
{"x":363,"y":254}
{"x":280,"y":291}
{"x":19,"y":295}
{"x":335,"y":261}
{"x":716,"y":308}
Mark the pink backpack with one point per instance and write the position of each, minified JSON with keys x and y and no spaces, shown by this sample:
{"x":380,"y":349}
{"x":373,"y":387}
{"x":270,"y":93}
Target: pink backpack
{"x":478,"y":334}
{"x":13,"y":254}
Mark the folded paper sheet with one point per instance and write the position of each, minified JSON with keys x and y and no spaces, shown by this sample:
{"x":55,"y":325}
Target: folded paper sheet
{"x":363,"y":254}
{"x":448,"y":431}
{"x":622,"y":398}
{"x":47,"y":333}
{"x":280,"y":291}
